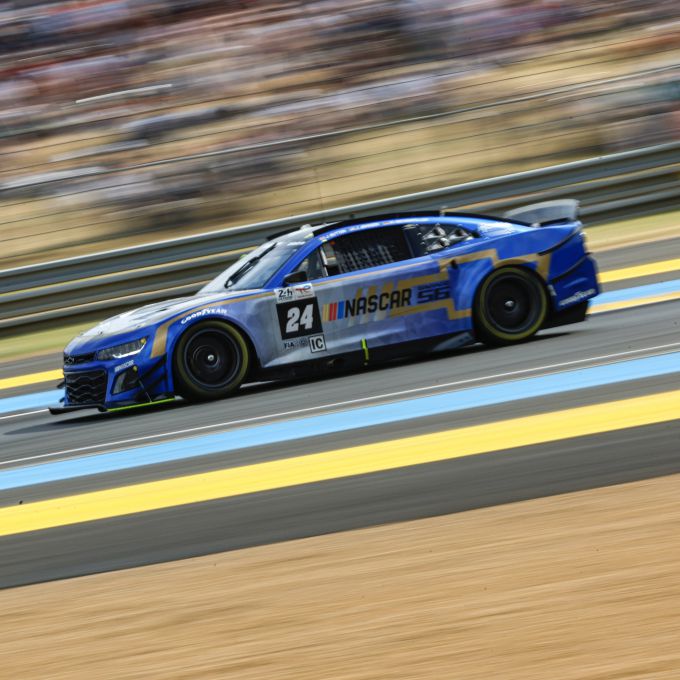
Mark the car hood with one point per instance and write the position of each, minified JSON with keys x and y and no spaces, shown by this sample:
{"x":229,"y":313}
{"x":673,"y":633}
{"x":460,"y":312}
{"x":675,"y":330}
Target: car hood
{"x":122,"y":326}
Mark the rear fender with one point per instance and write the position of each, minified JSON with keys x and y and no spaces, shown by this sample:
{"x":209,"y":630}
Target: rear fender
{"x":540,"y":250}
{"x":576,"y":286}
{"x":473,"y":274}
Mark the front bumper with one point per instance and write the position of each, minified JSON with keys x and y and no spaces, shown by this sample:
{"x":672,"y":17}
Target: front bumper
{"x":113,"y":385}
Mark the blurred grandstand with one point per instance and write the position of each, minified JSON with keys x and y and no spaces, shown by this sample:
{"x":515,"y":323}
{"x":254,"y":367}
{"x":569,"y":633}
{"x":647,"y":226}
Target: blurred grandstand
{"x":126,"y":121}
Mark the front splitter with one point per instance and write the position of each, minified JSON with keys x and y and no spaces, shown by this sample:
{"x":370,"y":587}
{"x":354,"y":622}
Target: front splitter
{"x":102,"y":408}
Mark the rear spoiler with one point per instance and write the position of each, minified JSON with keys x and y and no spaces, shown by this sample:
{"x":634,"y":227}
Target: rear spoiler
{"x":548,"y":212}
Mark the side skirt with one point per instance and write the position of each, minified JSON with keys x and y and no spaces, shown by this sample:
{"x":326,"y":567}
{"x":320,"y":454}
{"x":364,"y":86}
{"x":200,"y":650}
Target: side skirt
{"x":367,"y":356}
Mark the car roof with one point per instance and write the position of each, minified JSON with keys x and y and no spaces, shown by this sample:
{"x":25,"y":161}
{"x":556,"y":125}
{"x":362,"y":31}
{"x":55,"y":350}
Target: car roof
{"x":372,"y":220}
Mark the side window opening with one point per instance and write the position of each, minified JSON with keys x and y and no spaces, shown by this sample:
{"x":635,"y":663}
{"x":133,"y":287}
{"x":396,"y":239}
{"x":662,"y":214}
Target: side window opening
{"x":429,"y":238}
{"x":365,"y":249}
{"x":376,"y":247}
{"x":313,"y":266}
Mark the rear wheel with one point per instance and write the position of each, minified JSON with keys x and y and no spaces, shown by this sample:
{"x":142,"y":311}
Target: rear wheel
{"x":511,"y":305}
{"x":211,"y":361}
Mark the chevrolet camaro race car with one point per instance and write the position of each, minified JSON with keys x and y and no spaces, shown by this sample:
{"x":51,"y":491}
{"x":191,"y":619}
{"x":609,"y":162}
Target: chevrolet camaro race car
{"x":342,"y":295}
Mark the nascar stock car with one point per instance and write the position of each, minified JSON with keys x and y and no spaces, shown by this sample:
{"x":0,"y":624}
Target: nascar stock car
{"x":342,"y":295}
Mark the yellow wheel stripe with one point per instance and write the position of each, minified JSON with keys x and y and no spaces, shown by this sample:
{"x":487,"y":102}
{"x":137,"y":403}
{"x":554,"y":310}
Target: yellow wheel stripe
{"x":510,"y":336}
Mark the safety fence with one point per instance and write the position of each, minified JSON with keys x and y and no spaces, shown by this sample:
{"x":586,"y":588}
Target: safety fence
{"x":608,"y":187}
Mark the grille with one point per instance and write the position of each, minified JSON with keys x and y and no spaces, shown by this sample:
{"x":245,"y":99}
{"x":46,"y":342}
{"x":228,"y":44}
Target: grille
{"x":85,"y":387}
{"x":75,"y":359}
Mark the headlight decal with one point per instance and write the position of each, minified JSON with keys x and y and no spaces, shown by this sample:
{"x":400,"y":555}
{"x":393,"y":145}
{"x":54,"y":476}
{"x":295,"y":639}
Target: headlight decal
{"x":126,"y":349}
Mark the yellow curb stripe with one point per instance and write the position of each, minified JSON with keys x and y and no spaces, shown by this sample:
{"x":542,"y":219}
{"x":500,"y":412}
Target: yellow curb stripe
{"x":32,"y":379}
{"x":627,"y":304}
{"x":358,"y":460}
{"x":641,"y":270}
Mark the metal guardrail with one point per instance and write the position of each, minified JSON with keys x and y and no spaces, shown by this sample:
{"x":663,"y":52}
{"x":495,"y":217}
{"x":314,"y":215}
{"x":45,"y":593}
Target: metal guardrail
{"x":621,"y":184}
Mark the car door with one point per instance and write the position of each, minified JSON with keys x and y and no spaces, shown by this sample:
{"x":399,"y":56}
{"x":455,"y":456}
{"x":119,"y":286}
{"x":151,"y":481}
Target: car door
{"x":376,"y":293}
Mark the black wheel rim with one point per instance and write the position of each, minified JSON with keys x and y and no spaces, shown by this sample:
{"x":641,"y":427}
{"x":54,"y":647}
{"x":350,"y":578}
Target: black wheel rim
{"x":513,"y":304}
{"x":212,"y":358}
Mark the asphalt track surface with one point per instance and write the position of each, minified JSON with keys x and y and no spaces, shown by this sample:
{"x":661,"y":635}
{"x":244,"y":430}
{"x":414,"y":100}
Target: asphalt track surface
{"x":504,"y":474}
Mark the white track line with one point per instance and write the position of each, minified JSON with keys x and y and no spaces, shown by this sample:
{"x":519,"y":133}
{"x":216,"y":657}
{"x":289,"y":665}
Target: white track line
{"x":24,"y":413}
{"x":605,"y":358}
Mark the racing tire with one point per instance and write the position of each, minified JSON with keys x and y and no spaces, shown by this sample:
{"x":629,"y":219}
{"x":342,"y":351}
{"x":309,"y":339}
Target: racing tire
{"x":511,"y":306}
{"x":210,"y":361}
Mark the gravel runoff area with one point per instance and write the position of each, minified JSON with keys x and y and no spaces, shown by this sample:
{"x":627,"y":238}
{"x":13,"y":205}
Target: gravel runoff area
{"x":580,"y":586}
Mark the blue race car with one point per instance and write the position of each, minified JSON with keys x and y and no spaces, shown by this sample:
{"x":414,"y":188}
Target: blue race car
{"x":338,"y":296}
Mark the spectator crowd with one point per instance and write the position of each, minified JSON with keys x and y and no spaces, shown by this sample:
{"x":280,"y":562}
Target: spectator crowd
{"x":241,"y":90}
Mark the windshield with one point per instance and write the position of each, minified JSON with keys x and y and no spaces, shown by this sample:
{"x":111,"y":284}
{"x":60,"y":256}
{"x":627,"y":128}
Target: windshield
{"x":254,"y":269}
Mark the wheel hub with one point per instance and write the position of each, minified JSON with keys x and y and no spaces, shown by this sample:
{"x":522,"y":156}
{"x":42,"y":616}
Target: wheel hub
{"x":509,"y":304}
{"x":212,"y":358}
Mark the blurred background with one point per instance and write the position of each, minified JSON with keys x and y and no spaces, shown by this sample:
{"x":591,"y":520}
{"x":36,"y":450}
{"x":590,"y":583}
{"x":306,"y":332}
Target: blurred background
{"x":124,"y":122}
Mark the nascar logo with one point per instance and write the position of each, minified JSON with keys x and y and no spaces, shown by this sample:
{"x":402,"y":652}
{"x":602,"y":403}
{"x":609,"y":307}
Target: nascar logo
{"x":386,"y":301}
{"x":367,"y":304}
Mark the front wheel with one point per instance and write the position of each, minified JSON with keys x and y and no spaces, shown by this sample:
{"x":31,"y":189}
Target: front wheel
{"x":511,"y":305}
{"x":210,"y":361}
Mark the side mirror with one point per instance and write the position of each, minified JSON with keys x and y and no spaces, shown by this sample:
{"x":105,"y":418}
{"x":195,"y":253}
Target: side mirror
{"x":295,"y":277}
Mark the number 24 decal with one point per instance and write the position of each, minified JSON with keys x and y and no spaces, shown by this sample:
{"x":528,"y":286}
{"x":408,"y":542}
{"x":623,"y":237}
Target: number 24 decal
{"x":297,"y":318}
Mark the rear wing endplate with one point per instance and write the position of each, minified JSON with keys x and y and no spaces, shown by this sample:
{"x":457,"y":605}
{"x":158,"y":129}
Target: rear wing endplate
{"x":548,"y":212}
